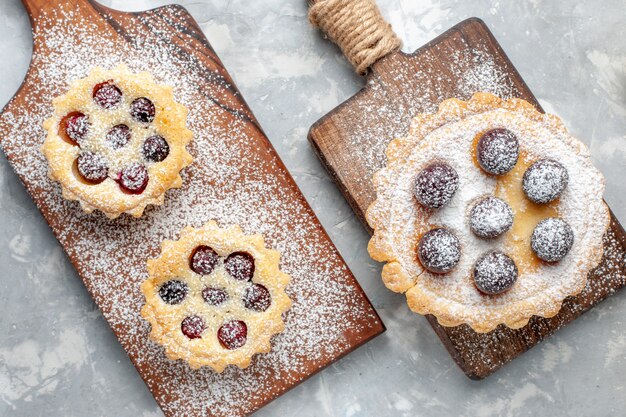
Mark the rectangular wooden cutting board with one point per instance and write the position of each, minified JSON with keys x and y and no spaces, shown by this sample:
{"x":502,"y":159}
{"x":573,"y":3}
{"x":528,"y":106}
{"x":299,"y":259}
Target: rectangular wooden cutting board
{"x":351,"y":142}
{"x":236,"y":178}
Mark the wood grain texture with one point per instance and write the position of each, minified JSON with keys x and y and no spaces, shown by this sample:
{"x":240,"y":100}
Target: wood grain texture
{"x":351,"y":141}
{"x":177,"y":389}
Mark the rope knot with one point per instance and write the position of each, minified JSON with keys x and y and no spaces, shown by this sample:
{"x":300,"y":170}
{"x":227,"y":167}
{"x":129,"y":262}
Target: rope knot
{"x":357,"y":27}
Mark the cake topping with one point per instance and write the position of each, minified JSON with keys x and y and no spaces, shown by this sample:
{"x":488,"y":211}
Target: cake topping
{"x":439,"y":250}
{"x":118,"y":136}
{"x":257,"y":298}
{"x":192,"y":327}
{"x":552,"y":239}
{"x":544,"y":181}
{"x":203,"y":260}
{"x":490,"y":217}
{"x":74,"y":127}
{"x":240,"y":265}
{"x":494,"y":273}
{"x":107,"y":95}
{"x":155,"y":148}
{"x":233,"y":334}
{"x":142,"y":110}
{"x":497,"y":151}
{"x":214,"y":296}
{"x":134,"y":178}
{"x":92,"y":167}
{"x":436,"y":184}
{"x":173,"y":291}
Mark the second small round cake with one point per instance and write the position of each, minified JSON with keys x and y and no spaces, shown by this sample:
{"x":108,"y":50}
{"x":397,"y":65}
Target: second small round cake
{"x":116,"y":141}
{"x":215,"y":297}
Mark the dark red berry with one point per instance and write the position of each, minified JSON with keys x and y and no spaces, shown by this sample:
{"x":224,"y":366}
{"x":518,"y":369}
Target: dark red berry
{"x":497,"y":151}
{"x":134,"y":178}
{"x":155,"y":148}
{"x":544,"y":181}
{"x":233,"y":334}
{"x":257,"y":298}
{"x":203,"y":260}
{"x":552,"y":239}
{"x":107,"y":95}
{"x":92,"y":167}
{"x":436,"y":184}
{"x":118,"y":136}
{"x":142,"y":110}
{"x":490,"y":217}
{"x":240,"y":265}
{"x":74,"y":127}
{"x":214,"y":296}
{"x":439,"y":250}
{"x":192,"y":327}
{"x":494,"y":273}
{"x":173,"y":292}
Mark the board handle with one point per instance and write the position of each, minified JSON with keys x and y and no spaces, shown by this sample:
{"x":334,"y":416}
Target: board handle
{"x":35,"y":8}
{"x":357,"y":27}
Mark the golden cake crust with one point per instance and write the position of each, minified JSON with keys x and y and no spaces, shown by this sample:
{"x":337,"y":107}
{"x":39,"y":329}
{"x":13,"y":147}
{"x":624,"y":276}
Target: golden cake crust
{"x":398,"y":220}
{"x":173,"y":263}
{"x":169,"y":122}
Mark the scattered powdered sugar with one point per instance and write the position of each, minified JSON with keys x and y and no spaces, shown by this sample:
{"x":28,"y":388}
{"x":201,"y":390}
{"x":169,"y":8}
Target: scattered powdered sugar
{"x":234,"y":179}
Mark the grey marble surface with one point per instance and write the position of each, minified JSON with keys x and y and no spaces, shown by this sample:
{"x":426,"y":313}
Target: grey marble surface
{"x":59,"y":358}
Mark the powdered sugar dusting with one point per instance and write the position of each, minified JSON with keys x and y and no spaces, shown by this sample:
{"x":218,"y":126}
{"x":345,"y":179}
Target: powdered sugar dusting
{"x":580,"y":205}
{"x":234,"y":179}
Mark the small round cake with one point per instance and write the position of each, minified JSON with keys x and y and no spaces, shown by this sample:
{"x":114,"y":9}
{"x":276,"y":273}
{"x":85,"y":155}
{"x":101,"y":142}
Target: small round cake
{"x":116,"y":142}
{"x":512,"y":234}
{"x":215,"y":297}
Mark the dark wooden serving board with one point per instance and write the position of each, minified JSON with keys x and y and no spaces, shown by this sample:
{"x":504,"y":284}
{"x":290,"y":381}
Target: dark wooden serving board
{"x":351,"y":142}
{"x":236,"y":178}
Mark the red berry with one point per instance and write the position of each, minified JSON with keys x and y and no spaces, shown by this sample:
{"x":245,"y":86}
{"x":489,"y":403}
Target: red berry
{"x":490,"y":217}
{"x":494,"y":273}
{"x":74,"y":127}
{"x":155,"y":148}
{"x":133,"y":178}
{"x":214,"y":296}
{"x":107,"y":95}
{"x":203,"y":260}
{"x":439,"y":250}
{"x":92,"y":167}
{"x":257,"y":298}
{"x":233,"y":334}
{"x":118,"y":136}
{"x":173,"y":291}
{"x":544,"y":181}
{"x":552,"y":239}
{"x":497,"y":151}
{"x":142,"y":110}
{"x":436,"y":184}
{"x":192,"y":327}
{"x":240,"y":265}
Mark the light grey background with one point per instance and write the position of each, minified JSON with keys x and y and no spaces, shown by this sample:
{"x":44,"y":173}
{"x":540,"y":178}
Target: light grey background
{"x":59,"y":358}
